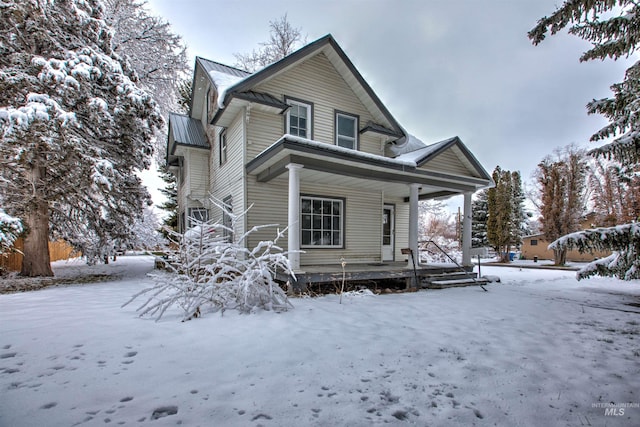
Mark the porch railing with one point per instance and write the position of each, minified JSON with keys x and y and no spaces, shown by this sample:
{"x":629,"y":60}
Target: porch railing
{"x":425,"y":243}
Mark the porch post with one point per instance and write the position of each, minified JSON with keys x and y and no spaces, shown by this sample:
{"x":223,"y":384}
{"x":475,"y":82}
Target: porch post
{"x":293,"y":232}
{"x":466,"y":231}
{"x":413,"y":223}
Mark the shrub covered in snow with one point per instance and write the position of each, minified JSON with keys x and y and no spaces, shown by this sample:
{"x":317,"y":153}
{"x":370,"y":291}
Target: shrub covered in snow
{"x":209,"y":272}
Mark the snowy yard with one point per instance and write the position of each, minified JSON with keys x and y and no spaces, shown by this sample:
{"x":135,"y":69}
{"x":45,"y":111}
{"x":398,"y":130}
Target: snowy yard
{"x":538,"y":349}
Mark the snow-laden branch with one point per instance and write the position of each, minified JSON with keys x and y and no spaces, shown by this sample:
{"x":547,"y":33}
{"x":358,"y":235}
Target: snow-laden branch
{"x":209,"y":272}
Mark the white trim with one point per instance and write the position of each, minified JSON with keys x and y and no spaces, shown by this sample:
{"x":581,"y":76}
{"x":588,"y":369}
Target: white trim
{"x":293,"y":232}
{"x":355,"y":130}
{"x":340,"y":244}
{"x":308,"y":118}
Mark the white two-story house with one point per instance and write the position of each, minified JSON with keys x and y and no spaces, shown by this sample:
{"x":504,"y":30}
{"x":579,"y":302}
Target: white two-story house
{"x":309,"y":145}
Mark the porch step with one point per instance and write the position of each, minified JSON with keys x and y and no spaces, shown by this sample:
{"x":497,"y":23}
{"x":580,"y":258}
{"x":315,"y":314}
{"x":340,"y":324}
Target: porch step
{"x":455,"y":283}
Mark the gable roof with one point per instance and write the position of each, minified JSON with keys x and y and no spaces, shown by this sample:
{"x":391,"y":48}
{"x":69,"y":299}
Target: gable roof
{"x":423,"y":155}
{"x":335,"y":54}
{"x":186,"y":131}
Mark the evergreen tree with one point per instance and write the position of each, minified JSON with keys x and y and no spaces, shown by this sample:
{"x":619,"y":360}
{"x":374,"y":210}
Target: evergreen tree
{"x":480,"y":216}
{"x":170,"y":191}
{"x":561,"y":181}
{"x":613,"y":29}
{"x":10,"y":229}
{"x":501,"y":215}
{"x":75,"y":129}
{"x":519,"y":222}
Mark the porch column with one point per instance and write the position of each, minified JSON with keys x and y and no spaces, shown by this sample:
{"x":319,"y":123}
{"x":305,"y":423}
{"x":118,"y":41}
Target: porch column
{"x":466,"y":231}
{"x":413,"y":223}
{"x":293,"y":232}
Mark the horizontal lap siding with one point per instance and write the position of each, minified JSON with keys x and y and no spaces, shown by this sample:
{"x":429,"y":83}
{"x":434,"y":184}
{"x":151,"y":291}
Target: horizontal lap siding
{"x":362,"y":219}
{"x":263,"y":130}
{"x":315,"y":81}
{"x":228,"y":179}
{"x":198,"y":164}
{"x":447,"y":162}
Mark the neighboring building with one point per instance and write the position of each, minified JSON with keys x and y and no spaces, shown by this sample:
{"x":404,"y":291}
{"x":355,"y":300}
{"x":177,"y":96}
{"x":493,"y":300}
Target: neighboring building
{"x":308,"y":144}
{"x":536,"y":246}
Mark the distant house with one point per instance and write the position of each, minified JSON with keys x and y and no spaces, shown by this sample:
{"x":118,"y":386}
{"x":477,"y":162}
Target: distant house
{"x":309,"y":145}
{"x":536,"y":246}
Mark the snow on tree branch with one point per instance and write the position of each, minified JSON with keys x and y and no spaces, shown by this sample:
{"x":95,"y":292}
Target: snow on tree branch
{"x":623,"y":264}
{"x":10,"y":229}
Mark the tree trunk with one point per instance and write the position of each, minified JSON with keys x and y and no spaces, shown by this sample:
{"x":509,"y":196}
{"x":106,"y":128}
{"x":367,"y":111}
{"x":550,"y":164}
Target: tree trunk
{"x":560,"y":256}
{"x":36,"y":261}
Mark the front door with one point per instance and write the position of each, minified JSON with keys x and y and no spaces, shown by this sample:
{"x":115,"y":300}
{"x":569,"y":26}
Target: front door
{"x":388,"y":232}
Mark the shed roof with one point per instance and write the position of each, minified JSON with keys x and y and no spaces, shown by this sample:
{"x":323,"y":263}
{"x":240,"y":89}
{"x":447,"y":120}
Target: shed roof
{"x":186,"y":131}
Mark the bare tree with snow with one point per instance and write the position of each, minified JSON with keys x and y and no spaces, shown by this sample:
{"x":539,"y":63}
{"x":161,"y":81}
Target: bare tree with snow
{"x":284,"y":39}
{"x":74,"y":127}
{"x":155,"y":53}
{"x":561,"y":182}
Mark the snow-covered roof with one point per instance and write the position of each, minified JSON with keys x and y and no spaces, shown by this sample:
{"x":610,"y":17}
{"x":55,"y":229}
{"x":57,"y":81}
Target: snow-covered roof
{"x":420,"y":150}
{"x":410,"y":144}
{"x":223,"y":76}
{"x":337,"y":149}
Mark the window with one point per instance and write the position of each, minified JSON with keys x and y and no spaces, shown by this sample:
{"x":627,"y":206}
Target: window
{"x":226,"y":219}
{"x":299,"y":119}
{"x":197,"y":214}
{"x":534,"y":242}
{"x":223,"y":147}
{"x":321,"y":222}
{"x":347,"y":131}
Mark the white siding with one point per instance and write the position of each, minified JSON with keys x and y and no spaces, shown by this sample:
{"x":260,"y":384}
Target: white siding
{"x":447,"y":162}
{"x":362,"y":210}
{"x":228,"y":179}
{"x":315,"y":81}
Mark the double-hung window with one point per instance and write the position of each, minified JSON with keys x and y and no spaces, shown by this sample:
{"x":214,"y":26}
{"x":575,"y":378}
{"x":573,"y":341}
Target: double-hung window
{"x":299,"y":117}
{"x":223,"y":147}
{"x":322,"y":222}
{"x":347,"y":131}
{"x":197,"y":215}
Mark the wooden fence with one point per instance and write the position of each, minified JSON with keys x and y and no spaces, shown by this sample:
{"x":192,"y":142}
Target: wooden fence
{"x":58,"y":250}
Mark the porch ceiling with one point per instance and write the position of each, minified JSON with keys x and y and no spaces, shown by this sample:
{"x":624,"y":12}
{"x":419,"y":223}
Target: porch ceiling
{"x":331,"y":166}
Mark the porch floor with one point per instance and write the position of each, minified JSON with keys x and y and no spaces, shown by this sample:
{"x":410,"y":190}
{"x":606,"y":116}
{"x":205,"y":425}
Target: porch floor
{"x":375,"y":271}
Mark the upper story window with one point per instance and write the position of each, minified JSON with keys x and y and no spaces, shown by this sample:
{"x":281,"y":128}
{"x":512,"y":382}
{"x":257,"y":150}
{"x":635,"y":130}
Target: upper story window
{"x":299,"y":117}
{"x":223,"y":146}
{"x":347,"y":130}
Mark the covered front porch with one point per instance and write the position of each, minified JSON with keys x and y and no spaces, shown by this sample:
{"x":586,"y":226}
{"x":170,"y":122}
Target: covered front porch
{"x":364,"y":191}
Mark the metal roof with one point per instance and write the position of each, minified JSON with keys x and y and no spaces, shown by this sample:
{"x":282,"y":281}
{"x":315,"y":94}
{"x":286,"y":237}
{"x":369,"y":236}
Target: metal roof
{"x":187,"y":131}
{"x":209,"y":66}
{"x":262,"y":98}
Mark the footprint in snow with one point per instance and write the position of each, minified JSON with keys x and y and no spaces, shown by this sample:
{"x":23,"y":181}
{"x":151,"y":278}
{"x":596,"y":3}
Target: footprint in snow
{"x":49,"y":405}
{"x":164,"y":411}
{"x":131,"y":354}
{"x":8,"y":355}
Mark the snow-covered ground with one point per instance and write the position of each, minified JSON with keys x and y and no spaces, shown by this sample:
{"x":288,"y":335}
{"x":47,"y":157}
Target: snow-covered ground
{"x":538,"y":349}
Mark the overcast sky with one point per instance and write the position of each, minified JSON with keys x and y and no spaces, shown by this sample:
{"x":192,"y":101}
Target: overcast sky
{"x":443,"y":68}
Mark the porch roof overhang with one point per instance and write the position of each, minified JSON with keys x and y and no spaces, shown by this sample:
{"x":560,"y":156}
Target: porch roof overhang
{"x":322,"y":160}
